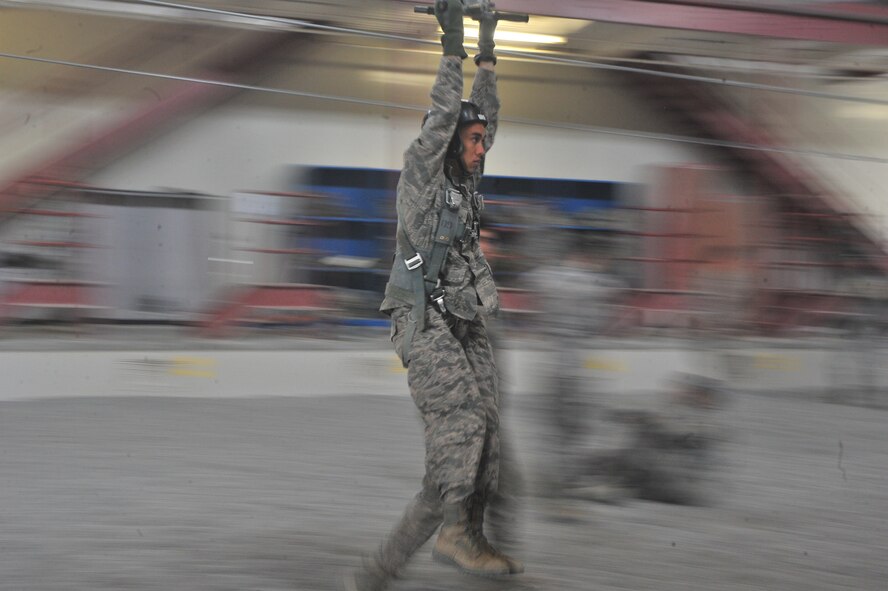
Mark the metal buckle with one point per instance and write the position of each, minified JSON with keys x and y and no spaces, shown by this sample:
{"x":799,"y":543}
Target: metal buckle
{"x":478,"y":201}
{"x":453,"y":198}
{"x":413,"y":263}
{"x":437,"y":297}
{"x":471,"y":232}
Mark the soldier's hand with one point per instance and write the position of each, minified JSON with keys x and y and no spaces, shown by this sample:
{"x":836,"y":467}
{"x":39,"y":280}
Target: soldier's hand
{"x":450,"y":16}
{"x":486,"y":30}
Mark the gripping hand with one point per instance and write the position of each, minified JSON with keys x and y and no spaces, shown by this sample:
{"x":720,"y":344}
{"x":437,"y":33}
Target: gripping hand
{"x":450,"y":17}
{"x":487,"y":28}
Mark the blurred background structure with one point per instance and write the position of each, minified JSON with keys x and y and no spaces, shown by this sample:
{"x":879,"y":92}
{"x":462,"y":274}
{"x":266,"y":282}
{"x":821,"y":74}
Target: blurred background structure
{"x":734,"y":151}
{"x":197,"y":201}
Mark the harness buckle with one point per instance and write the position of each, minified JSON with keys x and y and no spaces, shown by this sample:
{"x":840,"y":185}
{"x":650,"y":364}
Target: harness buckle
{"x":413,"y":263}
{"x":478,"y":201}
{"x":437,"y":298}
{"x":471,"y":232}
{"x":453,"y":198}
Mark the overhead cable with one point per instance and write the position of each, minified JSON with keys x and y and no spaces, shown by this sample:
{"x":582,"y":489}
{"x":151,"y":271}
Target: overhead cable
{"x":721,"y":81}
{"x":401,"y":106}
{"x":786,"y":9}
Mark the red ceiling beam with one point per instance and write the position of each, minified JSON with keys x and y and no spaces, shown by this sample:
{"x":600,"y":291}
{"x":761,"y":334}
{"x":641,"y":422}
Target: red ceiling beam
{"x":84,"y":158}
{"x":781,"y":171}
{"x":101,"y":148}
{"x":719,"y":17}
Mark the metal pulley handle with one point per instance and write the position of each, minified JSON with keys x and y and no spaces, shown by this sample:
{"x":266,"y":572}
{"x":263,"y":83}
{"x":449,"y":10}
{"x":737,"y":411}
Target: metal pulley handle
{"x":431,"y":9}
{"x":514,"y":17}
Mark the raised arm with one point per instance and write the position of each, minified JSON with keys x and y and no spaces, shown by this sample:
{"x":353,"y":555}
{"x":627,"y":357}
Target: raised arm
{"x":484,"y":93}
{"x":424,"y":159}
{"x":425,"y":156}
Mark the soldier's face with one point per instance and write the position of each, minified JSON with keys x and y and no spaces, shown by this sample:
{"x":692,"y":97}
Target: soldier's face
{"x":472,"y":138}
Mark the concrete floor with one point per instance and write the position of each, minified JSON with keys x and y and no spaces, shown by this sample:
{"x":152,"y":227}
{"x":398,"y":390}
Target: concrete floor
{"x":284,"y":493}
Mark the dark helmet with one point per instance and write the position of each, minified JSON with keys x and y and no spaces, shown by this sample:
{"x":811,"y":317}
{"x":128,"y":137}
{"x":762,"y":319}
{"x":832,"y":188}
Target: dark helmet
{"x":469,"y":113}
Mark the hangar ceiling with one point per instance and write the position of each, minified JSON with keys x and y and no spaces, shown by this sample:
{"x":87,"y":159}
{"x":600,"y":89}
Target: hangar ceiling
{"x":611,"y":32}
{"x":830,"y":48}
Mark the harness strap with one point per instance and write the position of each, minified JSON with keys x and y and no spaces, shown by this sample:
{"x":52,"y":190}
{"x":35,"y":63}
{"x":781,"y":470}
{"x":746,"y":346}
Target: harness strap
{"x":449,"y":229}
{"x":426,"y":270}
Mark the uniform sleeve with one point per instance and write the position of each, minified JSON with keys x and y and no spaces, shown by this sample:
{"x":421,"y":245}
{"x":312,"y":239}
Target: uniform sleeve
{"x":484,"y":95}
{"x":424,"y":159}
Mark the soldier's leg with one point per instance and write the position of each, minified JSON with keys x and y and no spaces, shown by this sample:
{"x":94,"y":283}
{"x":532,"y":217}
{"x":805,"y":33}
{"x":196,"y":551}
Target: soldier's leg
{"x":420,"y":520}
{"x":504,"y":507}
{"x":447,"y":399}
{"x":548,"y":479}
{"x":479,"y":354}
{"x":487,"y":490}
{"x":502,"y":516}
{"x":443,"y":387}
{"x":571,"y":400}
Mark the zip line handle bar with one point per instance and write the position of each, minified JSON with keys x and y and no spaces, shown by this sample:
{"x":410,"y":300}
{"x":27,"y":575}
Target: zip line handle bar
{"x":514,"y":17}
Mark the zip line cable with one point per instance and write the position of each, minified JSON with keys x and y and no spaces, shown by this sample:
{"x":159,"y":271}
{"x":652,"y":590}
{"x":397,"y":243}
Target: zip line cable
{"x":222,"y":83}
{"x":666,"y":137}
{"x":526,"y":55}
{"x":401,"y":106}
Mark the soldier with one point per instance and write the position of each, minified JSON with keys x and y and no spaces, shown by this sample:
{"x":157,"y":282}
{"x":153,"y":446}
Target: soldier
{"x":504,"y":507}
{"x":671,"y":455}
{"x":578,"y":294}
{"x":438,"y":293}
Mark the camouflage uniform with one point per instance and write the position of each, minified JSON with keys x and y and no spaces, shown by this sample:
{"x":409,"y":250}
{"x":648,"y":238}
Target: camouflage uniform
{"x":671,"y":458}
{"x":451,"y":372}
{"x":577,"y":304}
{"x":673,"y":454}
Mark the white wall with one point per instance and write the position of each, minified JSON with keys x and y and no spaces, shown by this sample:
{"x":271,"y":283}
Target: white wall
{"x":241,"y":147}
{"x":855,"y":130}
{"x":247,"y":143}
{"x":625,"y":375}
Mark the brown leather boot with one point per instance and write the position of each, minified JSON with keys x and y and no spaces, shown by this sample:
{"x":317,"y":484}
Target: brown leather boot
{"x":476,"y":523}
{"x":458,"y":545}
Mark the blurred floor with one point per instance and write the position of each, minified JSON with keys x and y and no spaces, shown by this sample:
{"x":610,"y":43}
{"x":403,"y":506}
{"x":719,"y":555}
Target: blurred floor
{"x":274,"y":494}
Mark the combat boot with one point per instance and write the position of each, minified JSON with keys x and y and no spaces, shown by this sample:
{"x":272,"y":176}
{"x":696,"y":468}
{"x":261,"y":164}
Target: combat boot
{"x":476,"y":523}
{"x":458,"y":545}
{"x":368,"y":578}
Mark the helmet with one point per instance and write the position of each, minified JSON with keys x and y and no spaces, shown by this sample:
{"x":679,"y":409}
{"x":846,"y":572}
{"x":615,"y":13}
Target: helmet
{"x":468,"y":113}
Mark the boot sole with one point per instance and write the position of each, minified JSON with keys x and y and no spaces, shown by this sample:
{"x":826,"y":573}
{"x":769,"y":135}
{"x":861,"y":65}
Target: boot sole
{"x":444,"y":559}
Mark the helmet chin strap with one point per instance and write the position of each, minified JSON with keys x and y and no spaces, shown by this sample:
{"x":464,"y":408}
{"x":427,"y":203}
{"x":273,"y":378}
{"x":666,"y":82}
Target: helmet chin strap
{"x":455,"y":170}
